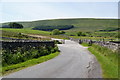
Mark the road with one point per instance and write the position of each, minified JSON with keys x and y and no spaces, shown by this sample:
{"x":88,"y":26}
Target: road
{"x":74,"y":61}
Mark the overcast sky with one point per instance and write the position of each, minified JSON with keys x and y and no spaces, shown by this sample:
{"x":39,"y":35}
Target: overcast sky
{"x":35,"y":10}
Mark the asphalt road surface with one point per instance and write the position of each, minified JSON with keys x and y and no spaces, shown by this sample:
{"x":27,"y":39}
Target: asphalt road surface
{"x":74,"y":61}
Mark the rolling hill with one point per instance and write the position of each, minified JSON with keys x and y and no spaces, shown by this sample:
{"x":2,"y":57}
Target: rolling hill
{"x":82,"y":24}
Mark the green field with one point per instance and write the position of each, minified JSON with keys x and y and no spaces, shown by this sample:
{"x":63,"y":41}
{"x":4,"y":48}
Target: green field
{"x":96,"y":38}
{"x":27,"y":31}
{"x":91,"y":27}
{"x":14,"y":33}
{"x":86,"y":24}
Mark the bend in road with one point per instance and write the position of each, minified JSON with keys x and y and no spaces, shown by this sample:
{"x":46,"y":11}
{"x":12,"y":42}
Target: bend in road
{"x":75,"y":61}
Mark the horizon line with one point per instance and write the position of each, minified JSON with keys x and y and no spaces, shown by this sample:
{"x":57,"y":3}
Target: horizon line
{"x":60,"y":18}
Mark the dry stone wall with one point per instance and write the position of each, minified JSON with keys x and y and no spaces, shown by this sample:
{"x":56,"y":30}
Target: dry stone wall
{"x":25,"y":44}
{"x":113,"y":45}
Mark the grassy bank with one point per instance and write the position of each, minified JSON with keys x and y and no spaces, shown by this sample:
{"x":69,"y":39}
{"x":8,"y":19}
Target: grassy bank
{"x":16,"y":67}
{"x":107,"y":59}
{"x":26,"y":31}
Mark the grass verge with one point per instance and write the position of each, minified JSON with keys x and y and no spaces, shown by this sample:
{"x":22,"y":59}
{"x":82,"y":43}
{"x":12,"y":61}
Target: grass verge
{"x":85,"y":44}
{"x":107,"y":59}
{"x":16,"y":67}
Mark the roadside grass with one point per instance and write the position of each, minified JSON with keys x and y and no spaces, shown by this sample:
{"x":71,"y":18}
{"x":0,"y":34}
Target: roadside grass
{"x":9,"y":69}
{"x":85,"y":44}
{"x":107,"y":58}
{"x":0,"y":69}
